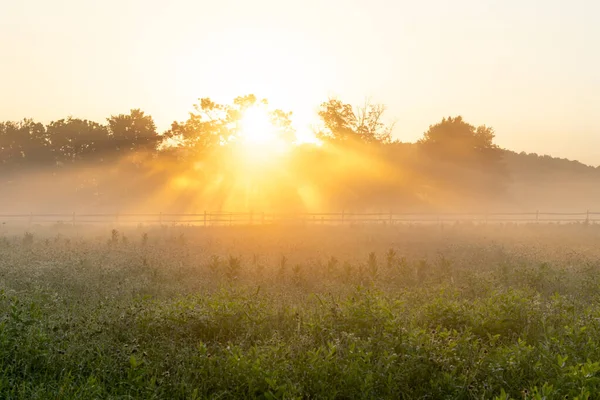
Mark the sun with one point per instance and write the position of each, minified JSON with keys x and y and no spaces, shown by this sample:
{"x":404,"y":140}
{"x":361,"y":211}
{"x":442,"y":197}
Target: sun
{"x":256,"y":127}
{"x":258,"y":134}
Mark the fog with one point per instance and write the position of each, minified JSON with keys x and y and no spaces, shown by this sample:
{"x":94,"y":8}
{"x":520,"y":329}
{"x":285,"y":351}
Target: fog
{"x":246,"y":158}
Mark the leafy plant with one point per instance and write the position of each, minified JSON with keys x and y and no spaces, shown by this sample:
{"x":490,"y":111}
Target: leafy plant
{"x":79,"y":321}
{"x":282,"y":266}
{"x":373,"y":266}
{"x":234,"y":267}
{"x":390,"y":258}
{"x":28,"y":239}
{"x":114,"y":237}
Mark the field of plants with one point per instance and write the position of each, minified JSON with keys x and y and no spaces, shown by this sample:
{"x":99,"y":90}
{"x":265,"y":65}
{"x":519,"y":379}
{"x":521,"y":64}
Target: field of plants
{"x":400,"y":312}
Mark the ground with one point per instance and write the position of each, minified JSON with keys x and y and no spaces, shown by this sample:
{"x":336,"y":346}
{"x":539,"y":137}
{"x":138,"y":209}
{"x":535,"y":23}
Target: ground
{"x":457,"y":311}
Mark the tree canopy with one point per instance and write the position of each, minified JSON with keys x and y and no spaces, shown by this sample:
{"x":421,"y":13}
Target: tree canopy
{"x":133,"y":131}
{"x":345,"y":123}
{"x":453,"y":138}
{"x":211,"y":124}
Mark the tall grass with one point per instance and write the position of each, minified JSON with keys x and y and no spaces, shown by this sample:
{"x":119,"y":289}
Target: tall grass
{"x":467,"y":312}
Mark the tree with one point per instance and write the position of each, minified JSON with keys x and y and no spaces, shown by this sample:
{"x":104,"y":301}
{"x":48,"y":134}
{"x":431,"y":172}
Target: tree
{"x":455,"y":139}
{"x":74,"y":139}
{"x":132,"y":132}
{"x":23,"y":143}
{"x":344,"y":123}
{"x":205,"y":128}
{"x":463,"y":158}
{"x":212,"y":125}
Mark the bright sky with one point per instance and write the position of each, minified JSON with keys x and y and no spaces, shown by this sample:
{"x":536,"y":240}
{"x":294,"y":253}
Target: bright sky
{"x":529,"y":68}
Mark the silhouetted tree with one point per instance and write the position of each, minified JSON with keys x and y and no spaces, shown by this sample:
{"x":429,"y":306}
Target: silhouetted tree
{"x":344,"y":123}
{"x":133,"y":132}
{"x":455,"y":139}
{"x":23,"y":143}
{"x":463,"y":158}
{"x":75,"y":139}
{"x":212,"y":126}
{"x":205,"y":128}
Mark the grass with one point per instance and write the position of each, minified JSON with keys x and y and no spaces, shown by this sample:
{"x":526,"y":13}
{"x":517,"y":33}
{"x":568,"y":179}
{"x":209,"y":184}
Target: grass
{"x":463,"y":312}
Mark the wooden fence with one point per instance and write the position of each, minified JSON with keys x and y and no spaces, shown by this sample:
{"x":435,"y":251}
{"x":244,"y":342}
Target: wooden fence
{"x":340,"y":218}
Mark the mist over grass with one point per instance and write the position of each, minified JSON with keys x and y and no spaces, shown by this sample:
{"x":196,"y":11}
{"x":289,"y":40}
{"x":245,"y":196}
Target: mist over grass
{"x":209,"y":162}
{"x":467,"y":311}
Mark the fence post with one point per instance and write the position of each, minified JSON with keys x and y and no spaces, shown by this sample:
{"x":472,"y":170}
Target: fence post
{"x":342,"y":217}
{"x":537,"y":216}
{"x":391,"y":217}
{"x":204,"y":218}
{"x":230,"y":218}
{"x":587,"y":217}
{"x":73,"y":220}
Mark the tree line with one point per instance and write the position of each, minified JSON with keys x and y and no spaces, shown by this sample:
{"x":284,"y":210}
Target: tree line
{"x":72,"y":140}
{"x":359,"y":164}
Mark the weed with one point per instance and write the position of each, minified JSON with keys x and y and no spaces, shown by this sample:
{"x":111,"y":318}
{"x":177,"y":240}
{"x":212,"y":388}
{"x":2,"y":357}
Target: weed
{"x":114,"y":237}
{"x":233,"y":268}
{"x":282,"y":266}
{"x":78,"y":321}
{"x":373,"y":266}
{"x":215,"y":264}
{"x":28,"y":239}
{"x":390,"y":258}
{"x":297,"y":274}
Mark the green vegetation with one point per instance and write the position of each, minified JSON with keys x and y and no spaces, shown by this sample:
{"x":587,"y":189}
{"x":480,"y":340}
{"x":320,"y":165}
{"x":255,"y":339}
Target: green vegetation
{"x":466,"y":312}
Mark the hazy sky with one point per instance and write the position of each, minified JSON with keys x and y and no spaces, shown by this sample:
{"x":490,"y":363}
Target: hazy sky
{"x":529,"y":68}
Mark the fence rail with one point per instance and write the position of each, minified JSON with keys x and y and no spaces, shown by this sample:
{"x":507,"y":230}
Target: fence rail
{"x":340,"y":218}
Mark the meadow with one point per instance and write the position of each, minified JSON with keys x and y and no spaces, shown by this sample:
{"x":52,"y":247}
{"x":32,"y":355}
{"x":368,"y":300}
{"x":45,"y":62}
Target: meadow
{"x":460,"y":311}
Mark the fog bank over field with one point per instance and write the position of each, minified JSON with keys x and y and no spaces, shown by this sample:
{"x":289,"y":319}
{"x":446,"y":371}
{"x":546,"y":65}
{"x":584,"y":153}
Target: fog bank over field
{"x":247,"y":157}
